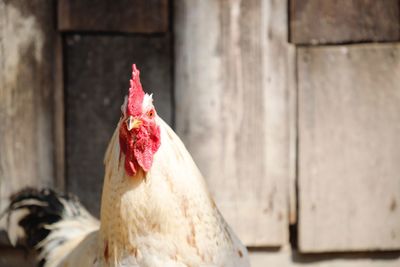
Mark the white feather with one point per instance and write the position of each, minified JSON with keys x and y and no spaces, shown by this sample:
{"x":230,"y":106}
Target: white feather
{"x":147,"y":103}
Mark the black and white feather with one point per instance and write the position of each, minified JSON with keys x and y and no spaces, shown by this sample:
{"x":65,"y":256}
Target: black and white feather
{"x":48,"y":222}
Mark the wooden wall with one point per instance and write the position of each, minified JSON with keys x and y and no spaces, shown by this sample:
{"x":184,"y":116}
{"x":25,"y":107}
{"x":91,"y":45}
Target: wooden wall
{"x":290,"y":109}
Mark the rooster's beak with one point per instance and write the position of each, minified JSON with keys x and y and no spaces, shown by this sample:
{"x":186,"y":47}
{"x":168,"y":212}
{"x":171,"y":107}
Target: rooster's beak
{"x":133,"y":123}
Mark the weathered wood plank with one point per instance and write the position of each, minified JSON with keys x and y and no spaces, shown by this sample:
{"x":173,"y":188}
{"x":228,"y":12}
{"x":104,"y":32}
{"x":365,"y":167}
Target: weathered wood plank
{"x":349,"y":113}
{"x":232,"y":109}
{"x":288,"y":258}
{"x":341,"y":21}
{"x":97,"y":79}
{"x":26,"y":82}
{"x":141,"y":16}
{"x":292,"y":131}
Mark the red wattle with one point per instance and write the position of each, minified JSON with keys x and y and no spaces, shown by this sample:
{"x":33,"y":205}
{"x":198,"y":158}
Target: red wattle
{"x":147,"y":143}
{"x":130,"y":167}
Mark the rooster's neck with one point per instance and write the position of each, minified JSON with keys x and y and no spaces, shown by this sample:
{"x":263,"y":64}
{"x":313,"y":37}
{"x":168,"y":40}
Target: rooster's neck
{"x":122,"y":203}
{"x":166,"y":206}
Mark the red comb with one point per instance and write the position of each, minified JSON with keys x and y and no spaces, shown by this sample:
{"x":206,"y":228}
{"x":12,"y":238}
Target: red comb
{"x":136,"y":94}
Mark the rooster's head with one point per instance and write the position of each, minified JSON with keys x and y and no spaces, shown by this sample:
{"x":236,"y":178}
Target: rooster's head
{"x":139,"y":134}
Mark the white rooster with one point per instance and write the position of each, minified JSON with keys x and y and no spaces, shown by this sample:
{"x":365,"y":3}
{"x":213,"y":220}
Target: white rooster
{"x":155,"y":207}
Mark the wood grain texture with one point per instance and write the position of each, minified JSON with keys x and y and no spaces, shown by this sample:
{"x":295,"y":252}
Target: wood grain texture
{"x":97,"y":80}
{"x":140,"y":16}
{"x":342,"y":21}
{"x":289,"y":258}
{"x":349,"y":106}
{"x":292,"y":131}
{"x":26,"y":81}
{"x":232,"y":109}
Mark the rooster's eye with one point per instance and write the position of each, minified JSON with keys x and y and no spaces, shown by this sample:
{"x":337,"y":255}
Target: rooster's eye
{"x":151,"y":114}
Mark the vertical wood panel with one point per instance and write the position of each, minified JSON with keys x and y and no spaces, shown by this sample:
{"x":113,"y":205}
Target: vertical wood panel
{"x":292,"y":120}
{"x":59,"y":117}
{"x":232,"y":109}
{"x":341,"y":21}
{"x":349,"y":136}
{"x":26,"y":82}
{"x":97,"y":80}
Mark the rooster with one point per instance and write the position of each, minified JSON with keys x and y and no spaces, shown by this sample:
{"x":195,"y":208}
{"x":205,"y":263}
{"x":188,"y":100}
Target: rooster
{"x":155,"y":208}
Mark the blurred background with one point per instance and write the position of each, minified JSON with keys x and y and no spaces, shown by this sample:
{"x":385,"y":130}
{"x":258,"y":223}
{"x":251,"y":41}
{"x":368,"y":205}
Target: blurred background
{"x":291,"y":109}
